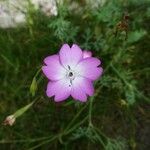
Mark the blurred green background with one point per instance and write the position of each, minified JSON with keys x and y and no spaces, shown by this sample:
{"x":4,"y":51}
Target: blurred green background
{"x":117,"y":117}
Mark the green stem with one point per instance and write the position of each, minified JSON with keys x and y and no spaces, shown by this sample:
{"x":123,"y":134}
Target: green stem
{"x":100,"y":140}
{"x":24,"y":141}
{"x":77,"y":115}
{"x":90,"y":111}
{"x":59,"y":135}
{"x":76,"y":125}
{"x":91,"y":105}
{"x":44,"y":142}
{"x":130,"y":85}
{"x":38,"y":71}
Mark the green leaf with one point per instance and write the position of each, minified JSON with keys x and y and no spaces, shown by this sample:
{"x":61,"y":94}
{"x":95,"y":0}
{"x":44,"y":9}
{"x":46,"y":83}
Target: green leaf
{"x":136,"y":36}
{"x":130,"y":95}
{"x":22,"y":110}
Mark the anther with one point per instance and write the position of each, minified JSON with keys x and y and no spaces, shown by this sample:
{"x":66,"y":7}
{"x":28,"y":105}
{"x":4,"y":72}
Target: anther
{"x":69,"y":67}
{"x":71,"y":82}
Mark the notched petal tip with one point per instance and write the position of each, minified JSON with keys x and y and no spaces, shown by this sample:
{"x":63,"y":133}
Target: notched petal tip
{"x":50,"y":59}
{"x":98,"y":73}
{"x":79,"y":95}
{"x":91,"y":93}
{"x":101,"y":71}
{"x":70,"y":56}
{"x":43,"y":69}
{"x":96,"y":60}
{"x":50,"y":89}
{"x":81,"y":100}
{"x":45,"y":60}
{"x":60,"y":99}
{"x":76,"y":48}
{"x":75,"y":45}
{"x":65,"y":46}
{"x":48,"y":94}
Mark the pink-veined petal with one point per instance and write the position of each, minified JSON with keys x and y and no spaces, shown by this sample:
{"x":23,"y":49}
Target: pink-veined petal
{"x":54,"y":70}
{"x":89,"y":68}
{"x":70,"y":56}
{"x":60,"y":89}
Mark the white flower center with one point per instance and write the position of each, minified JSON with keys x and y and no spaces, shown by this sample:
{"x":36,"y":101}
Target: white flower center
{"x":70,"y":74}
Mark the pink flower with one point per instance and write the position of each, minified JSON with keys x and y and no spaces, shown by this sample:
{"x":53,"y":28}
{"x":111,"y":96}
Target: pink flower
{"x":71,"y":74}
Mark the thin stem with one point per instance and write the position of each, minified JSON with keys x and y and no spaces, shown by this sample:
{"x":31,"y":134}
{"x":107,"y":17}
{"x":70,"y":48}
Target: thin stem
{"x":100,"y":139}
{"x":44,"y":142}
{"x":130,"y":85}
{"x":76,"y":125}
{"x":59,"y":135}
{"x":100,"y":132}
{"x":77,"y":115}
{"x":91,"y":105}
{"x":38,"y":71}
{"x":90,"y":111}
{"x":24,"y":141}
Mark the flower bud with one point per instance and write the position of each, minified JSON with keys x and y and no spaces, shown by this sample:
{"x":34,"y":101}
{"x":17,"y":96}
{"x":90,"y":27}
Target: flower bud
{"x":10,"y":120}
{"x":87,"y":54}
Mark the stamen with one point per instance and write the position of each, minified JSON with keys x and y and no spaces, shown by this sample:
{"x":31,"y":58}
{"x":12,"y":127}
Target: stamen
{"x":69,"y":67}
{"x":71,"y":75}
{"x":70,"y":83}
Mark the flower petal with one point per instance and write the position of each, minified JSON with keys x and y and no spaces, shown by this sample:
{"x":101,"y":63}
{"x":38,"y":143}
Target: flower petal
{"x":70,"y":56}
{"x":54,"y":70}
{"x":81,"y":88}
{"x":89,"y":68}
{"x":50,"y":59}
{"x":60,"y":89}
